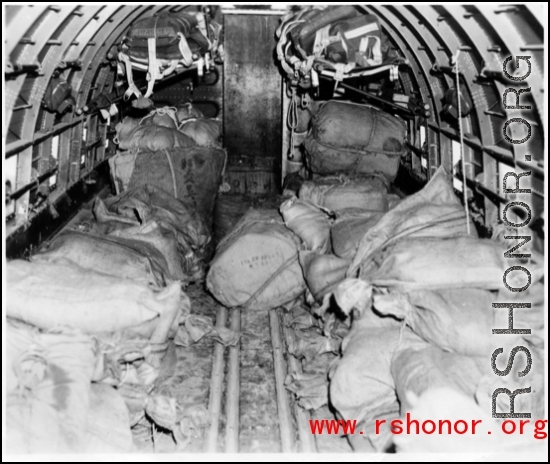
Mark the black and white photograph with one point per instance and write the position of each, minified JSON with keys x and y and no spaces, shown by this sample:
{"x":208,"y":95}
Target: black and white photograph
{"x":274,"y":231}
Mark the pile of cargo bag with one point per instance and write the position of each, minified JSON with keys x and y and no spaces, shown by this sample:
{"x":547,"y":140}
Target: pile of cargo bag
{"x":93,"y":315}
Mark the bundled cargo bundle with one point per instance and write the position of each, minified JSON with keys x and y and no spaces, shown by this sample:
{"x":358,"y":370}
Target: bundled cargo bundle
{"x":361,"y":384}
{"x":308,"y":222}
{"x":205,"y":132}
{"x":337,"y":193}
{"x":417,"y":366}
{"x":166,"y":117}
{"x":162,"y":43}
{"x":47,"y":295}
{"x":48,"y":390}
{"x":256,"y":265}
{"x":434,"y":211}
{"x":335,"y":41}
{"x":192,"y":175}
{"x":352,"y":138}
{"x":152,"y":137}
{"x":110,"y":255}
{"x":453,"y":319}
{"x":142,"y":206}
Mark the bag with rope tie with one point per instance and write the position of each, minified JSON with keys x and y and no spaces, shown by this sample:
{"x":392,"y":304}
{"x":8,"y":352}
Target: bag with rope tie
{"x":256,"y":266}
{"x":159,"y":44}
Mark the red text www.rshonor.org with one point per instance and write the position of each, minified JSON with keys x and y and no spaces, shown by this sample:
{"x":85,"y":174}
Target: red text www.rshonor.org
{"x":409,"y":426}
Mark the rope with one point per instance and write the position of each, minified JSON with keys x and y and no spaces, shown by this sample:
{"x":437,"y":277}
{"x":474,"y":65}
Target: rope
{"x":464,"y":185}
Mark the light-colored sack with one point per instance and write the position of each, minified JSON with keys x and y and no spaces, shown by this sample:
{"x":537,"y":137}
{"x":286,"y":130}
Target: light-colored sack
{"x":150,"y":137}
{"x":48,"y":409}
{"x":349,"y":228}
{"x":417,"y":366}
{"x":64,"y":294}
{"x":434,"y":211}
{"x":445,"y":404}
{"x":145,"y":204}
{"x":124,"y":128}
{"x":110,"y":255}
{"x":122,"y":167}
{"x":454,"y":319}
{"x":256,"y":265}
{"x":337,"y":193}
{"x":308,"y":222}
{"x":432,"y":263}
{"x":164,"y":240}
{"x":322,"y":272}
{"x":361,"y":384}
{"x":108,"y":423}
{"x":349,"y":138}
{"x":205,"y":132}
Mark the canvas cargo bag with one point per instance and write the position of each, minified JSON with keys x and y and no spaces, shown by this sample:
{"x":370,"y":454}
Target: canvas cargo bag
{"x":256,"y":266}
{"x":192,"y":175}
{"x":47,"y":412}
{"x":454,"y":319}
{"x":352,"y":138}
{"x":160,"y":43}
{"x":151,"y":137}
{"x":361,"y":384}
{"x":48,"y":295}
{"x":339,"y":192}
{"x":308,"y":222}
{"x":435,"y":263}
{"x":120,"y":257}
{"x":417,"y":366}
{"x":434,"y":211}
{"x":146,"y":204}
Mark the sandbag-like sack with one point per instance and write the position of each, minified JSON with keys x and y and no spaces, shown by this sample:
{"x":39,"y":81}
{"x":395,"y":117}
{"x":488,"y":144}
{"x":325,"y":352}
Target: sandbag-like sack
{"x":308,"y":222}
{"x":62,"y":293}
{"x":435,"y":263}
{"x":48,"y":409}
{"x":337,"y":193}
{"x":352,"y":138}
{"x":361,"y":384}
{"x":150,"y":137}
{"x":454,"y":319}
{"x":434,"y":211}
{"x":119,"y":257}
{"x":256,"y":266}
{"x":417,"y":366}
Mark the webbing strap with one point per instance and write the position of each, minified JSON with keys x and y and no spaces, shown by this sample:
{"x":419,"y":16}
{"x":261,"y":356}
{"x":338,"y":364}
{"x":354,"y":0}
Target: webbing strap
{"x":132,"y":89}
{"x":153,"y":66}
{"x":283,"y":267}
{"x":186,"y":53}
